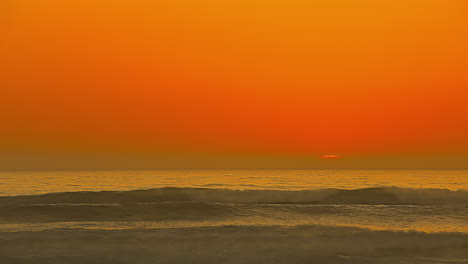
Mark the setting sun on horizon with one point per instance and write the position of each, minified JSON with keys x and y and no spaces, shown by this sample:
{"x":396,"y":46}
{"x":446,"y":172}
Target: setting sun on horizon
{"x":330,"y":157}
{"x":233,"y":131}
{"x":362,"y":78}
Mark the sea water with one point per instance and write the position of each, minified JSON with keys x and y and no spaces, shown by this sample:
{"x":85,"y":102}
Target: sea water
{"x":234,"y":216}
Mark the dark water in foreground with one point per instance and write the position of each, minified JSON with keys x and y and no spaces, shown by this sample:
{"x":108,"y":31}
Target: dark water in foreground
{"x":181,"y":224}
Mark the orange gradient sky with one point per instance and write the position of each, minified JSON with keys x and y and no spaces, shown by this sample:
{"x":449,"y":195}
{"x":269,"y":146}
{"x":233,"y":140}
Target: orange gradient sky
{"x":245,"y":77}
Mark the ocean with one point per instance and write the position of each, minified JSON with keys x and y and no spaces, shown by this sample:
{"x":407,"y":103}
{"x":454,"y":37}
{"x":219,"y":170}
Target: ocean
{"x":234,"y":216}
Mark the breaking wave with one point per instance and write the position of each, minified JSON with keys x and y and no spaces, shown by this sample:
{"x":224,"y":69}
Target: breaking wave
{"x":196,"y":225}
{"x":368,"y":196}
{"x":392,"y":206}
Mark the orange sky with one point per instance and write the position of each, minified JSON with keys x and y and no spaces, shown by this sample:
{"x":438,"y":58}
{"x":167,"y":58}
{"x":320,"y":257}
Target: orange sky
{"x":253,"y":77}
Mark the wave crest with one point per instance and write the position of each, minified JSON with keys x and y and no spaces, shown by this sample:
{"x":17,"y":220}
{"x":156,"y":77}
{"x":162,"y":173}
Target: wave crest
{"x":372,"y":196}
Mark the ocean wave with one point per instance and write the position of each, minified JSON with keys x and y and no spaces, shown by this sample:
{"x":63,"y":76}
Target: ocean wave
{"x":369,"y":196}
{"x":432,"y":218}
{"x":393,"y":206}
{"x":189,"y":211}
{"x":234,"y":244}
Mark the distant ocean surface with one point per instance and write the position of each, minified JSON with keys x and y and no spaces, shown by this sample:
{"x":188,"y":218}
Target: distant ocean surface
{"x":234,"y":216}
{"x":30,"y":183}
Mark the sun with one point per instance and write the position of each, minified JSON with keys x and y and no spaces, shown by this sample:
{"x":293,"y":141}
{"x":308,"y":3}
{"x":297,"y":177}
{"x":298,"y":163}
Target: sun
{"x":330,"y":157}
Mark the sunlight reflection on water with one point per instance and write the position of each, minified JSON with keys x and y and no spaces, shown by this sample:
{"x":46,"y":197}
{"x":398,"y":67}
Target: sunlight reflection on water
{"x":21,"y":183}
